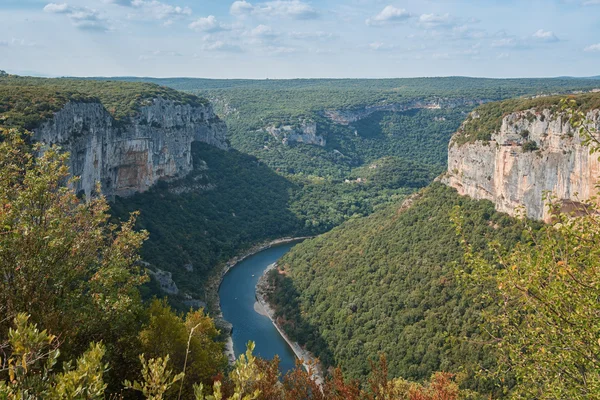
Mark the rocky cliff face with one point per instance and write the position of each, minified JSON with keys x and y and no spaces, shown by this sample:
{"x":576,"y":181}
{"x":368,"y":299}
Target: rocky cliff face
{"x":305,"y":133}
{"x":533,"y":153}
{"x":130,"y":156}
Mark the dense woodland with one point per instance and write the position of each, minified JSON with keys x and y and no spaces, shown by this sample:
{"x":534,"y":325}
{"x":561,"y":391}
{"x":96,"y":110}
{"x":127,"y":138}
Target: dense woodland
{"x":385,"y":284}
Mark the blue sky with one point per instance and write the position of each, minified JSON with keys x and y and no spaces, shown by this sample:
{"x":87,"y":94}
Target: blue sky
{"x":301,"y":39}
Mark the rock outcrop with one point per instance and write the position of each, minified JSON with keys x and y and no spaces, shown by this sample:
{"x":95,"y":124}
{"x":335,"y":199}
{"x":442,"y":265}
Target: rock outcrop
{"x":130,"y":156}
{"x":305,"y":132}
{"x":165,"y":280}
{"x":533,"y":153}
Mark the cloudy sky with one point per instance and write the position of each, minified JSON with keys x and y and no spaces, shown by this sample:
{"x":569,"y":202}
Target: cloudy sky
{"x":300,"y":38}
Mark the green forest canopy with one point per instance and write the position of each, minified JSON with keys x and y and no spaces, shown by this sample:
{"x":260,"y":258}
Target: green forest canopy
{"x":386,"y":284}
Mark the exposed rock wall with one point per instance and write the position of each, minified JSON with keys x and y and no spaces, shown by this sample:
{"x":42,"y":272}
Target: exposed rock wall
{"x":514,"y":178}
{"x":130,"y":156}
{"x":305,"y":133}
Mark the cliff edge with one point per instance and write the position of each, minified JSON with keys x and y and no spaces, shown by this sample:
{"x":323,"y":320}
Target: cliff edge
{"x":514,"y":158}
{"x":130,"y":156}
{"x":125,"y":135}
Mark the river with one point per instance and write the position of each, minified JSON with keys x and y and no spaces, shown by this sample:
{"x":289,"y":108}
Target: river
{"x":237,"y":298}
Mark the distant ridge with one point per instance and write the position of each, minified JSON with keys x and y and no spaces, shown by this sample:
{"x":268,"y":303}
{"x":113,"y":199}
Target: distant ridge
{"x":597,"y":77}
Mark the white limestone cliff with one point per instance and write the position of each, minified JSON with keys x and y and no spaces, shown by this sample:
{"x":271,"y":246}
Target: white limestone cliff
{"x":514,"y":178}
{"x":130,"y":156}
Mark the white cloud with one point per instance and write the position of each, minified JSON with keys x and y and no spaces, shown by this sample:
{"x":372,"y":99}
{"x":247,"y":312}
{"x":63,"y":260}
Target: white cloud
{"x":593,"y":48}
{"x":220,"y":45}
{"x":126,"y":3}
{"x":294,"y":9}
{"x":545,"y":36}
{"x":509,"y":43}
{"x":263,"y":32}
{"x":241,"y":8}
{"x":155,"y":10}
{"x":380,"y":46}
{"x":389,"y":15}
{"x":62,"y":8}
{"x":466,"y":32}
{"x":318,"y":35}
{"x":208,"y":24}
{"x":82,"y":17}
{"x":159,"y":53}
{"x":277,"y":50}
{"x":432,"y":21}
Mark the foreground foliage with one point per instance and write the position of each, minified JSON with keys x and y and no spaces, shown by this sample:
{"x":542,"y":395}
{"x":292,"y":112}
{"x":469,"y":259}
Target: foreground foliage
{"x":65,"y":268}
{"x":31,"y":375}
{"x":61,"y":262}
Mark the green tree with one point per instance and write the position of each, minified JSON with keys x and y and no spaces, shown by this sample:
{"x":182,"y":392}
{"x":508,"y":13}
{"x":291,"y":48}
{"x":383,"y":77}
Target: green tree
{"x":157,"y":378}
{"x":61,"y":261}
{"x":190,"y":343}
{"x":29,"y":367}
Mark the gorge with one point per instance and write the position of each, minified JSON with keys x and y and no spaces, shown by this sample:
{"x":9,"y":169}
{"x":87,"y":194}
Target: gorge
{"x":379,"y":277}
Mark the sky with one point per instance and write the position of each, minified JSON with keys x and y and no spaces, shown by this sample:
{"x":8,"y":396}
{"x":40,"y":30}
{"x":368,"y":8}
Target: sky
{"x":300,"y":38}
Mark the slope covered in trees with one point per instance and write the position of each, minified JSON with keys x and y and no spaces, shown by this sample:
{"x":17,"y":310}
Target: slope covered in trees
{"x":386,"y":284}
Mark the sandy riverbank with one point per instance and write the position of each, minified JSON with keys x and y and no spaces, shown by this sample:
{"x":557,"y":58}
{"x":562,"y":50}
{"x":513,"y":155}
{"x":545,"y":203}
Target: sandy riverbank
{"x":264,"y":308}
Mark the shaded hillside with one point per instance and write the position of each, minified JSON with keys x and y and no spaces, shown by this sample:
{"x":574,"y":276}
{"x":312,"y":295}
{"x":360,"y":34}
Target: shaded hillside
{"x":385,"y":284}
{"x":227,"y":203}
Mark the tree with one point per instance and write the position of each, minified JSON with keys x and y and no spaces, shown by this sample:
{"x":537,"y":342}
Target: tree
{"x":29,"y":367}
{"x":61,"y":261}
{"x":157,"y":378}
{"x":191,"y":344}
{"x":547,"y":291}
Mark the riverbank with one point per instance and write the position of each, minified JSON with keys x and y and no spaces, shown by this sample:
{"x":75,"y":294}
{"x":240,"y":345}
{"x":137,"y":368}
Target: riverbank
{"x":263,"y":307}
{"x":212,"y":289}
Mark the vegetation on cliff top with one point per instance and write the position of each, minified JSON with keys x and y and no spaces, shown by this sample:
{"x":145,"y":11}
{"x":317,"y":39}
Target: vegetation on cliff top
{"x":25,"y":102}
{"x":487,"y":119}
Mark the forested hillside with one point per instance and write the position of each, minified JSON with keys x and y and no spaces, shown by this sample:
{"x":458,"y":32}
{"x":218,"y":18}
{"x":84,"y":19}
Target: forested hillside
{"x":386,"y":284}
